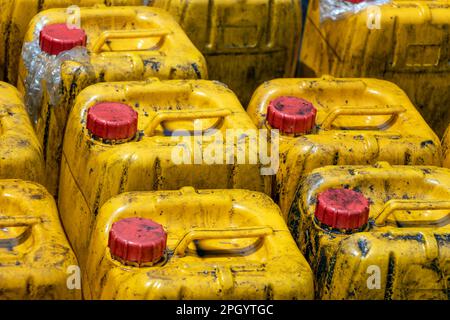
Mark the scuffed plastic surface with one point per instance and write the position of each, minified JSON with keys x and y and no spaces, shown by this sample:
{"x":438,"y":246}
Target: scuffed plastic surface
{"x":332,"y":9}
{"x":246,"y":273}
{"x":407,"y":237}
{"x":36,"y":259}
{"x":446,"y":149}
{"x":350,"y":140}
{"x":173,"y":57}
{"x":92,"y":172}
{"x":244,"y":42}
{"x":20,"y":151}
{"x":405,"y":42}
{"x":44,"y":68}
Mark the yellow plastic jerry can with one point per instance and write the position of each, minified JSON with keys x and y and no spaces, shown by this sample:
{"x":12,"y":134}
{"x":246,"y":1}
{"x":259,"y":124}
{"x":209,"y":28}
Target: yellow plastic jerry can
{"x":337,"y":121}
{"x":36,"y":261}
{"x":446,"y":149}
{"x":188,"y":244}
{"x":20,"y":152}
{"x":15,"y":15}
{"x":375,"y":232}
{"x":244,"y":42}
{"x":405,"y":42}
{"x":122,"y":44}
{"x":154,"y":135}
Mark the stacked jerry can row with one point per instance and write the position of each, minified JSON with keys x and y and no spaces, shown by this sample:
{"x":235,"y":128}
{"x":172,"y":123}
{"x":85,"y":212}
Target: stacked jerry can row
{"x":124,"y":133}
{"x":405,"y":42}
{"x":153,"y":135}
{"x":375,"y":232}
{"x":35,"y":256}
{"x":14,"y":18}
{"x":188,"y":244}
{"x":159,"y":193}
{"x":244,"y":42}
{"x":337,"y":121}
{"x":110,"y":44}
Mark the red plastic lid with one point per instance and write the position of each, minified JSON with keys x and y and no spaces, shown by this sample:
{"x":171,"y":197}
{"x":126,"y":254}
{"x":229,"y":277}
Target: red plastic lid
{"x":137,"y":240}
{"x":291,"y":115}
{"x":342,"y":209}
{"x":354,"y":1}
{"x":56,"y":38}
{"x":112,"y":121}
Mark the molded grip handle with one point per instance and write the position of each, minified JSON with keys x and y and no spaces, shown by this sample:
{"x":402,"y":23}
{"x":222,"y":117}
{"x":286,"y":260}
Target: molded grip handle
{"x":393,"y":111}
{"x":397,"y":204}
{"x":19,"y":221}
{"x":205,"y":234}
{"x":107,"y":36}
{"x":176,"y":115}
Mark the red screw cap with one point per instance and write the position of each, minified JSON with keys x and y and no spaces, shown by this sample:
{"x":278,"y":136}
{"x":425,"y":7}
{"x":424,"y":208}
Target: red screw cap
{"x":342,"y":209}
{"x":137,"y":240}
{"x":291,"y":115}
{"x":112,"y":121}
{"x":56,"y":38}
{"x":354,"y":1}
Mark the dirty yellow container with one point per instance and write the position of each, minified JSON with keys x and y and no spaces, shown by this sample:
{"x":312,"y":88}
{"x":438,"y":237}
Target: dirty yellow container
{"x":122,"y":43}
{"x":338,"y":121}
{"x":36,"y":261}
{"x":188,"y":244}
{"x":15,"y":15}
{"x":154,"y":135}
{"x":244,"y":42}
{"x":446,"y":149}
{"x":20,"y":152}
{"x":407,"y":45}
{"x":375,"y":232}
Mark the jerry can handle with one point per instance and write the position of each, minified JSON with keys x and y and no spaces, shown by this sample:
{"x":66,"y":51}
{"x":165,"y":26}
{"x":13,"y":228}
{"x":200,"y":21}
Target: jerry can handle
{"x":400,"y":204}
{"x":108,"y":35}
{"x":20,"y":221}
{"x":208,"y":234}
{"x":25,"y":221}
{"x":393,"y":111}
{"x":175,"y":115}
